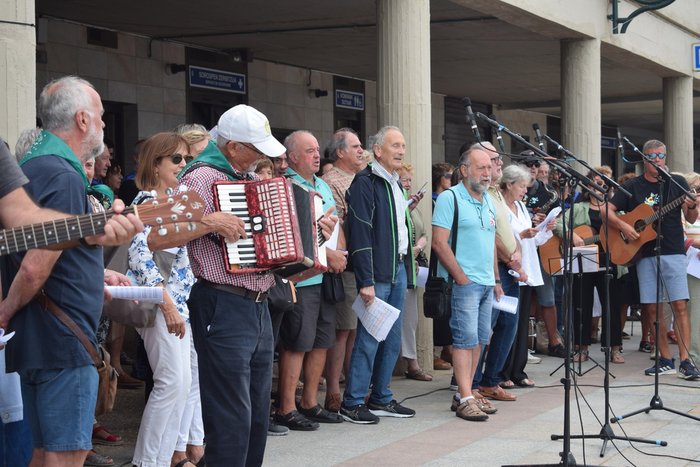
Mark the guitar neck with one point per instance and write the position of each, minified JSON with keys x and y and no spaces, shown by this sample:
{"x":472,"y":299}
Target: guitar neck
{"x":591,"y":240}
{"x":43,"y":234}
{"x":663,"y":211}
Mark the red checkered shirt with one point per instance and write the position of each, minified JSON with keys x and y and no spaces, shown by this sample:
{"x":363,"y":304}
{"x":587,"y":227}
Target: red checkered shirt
{"x":339,"y":182}
{"x":206,"y":253}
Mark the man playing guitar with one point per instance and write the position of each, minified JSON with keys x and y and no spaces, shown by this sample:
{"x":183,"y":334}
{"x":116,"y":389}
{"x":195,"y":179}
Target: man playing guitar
{"x":645,"y":190}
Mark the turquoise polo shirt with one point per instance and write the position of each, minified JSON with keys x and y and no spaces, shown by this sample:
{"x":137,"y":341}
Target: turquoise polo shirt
{"x":324,"y":190}
{"x":476,"y":239}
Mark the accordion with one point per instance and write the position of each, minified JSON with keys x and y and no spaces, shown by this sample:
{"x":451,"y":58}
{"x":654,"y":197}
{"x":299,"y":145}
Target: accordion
{"x":281,"y":221}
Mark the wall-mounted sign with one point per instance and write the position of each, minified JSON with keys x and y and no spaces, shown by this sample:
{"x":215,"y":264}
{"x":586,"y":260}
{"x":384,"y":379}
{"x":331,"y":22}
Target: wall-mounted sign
{"x":217,"y":79}
{"x":349,"y":100}
{"x":696,"y":57}
{"x":608,"y":143}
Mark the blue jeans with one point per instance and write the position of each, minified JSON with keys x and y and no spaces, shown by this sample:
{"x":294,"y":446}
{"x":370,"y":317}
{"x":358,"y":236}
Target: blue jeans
{"x":504,"y":326}
{"x":471,"y":315}
{"x":374,"y":361}
{"x":15,"y":444}
{"x":233,"y":339}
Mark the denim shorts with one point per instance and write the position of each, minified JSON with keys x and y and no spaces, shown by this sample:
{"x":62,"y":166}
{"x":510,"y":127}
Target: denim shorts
{"x":545,"y":292}
{"x":471,"y":315}
{"x":674,"y":278}
{"x":60,"y":406}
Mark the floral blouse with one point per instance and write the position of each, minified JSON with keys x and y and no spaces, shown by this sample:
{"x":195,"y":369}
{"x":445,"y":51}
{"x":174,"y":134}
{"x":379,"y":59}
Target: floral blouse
{"x":144,"y":271}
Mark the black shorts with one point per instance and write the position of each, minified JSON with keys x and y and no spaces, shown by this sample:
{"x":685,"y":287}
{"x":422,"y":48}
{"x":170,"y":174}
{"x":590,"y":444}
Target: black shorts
{"x":311,"y":323}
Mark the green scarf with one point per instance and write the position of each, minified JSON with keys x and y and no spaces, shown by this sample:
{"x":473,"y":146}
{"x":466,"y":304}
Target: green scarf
{"x":50,"y":144}
{"x":212,"y":156}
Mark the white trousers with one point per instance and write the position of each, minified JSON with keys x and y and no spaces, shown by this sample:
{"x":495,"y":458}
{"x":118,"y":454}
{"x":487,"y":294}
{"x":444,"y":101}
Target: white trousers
{"x":191,"y":425}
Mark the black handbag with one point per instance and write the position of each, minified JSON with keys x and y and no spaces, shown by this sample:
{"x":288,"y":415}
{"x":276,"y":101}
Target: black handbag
{"x":437,"y":299}
{"x":281,"y":297}
{"x":332,"y":288}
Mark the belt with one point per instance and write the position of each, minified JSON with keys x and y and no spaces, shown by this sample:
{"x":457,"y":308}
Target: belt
{"x":235,"y":290}
{"x":401,"y":257}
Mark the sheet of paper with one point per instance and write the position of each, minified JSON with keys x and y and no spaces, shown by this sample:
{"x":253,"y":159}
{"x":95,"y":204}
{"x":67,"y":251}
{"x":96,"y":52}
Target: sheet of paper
{"x":332,"y":243}
{"x":507,"y":304}
{"x":589,"y":259}
{"x":517,"y":276}
{"x":142,"y":294}
{"x":378,"y":318}
{"x":692,"y":262}
{"x":5,"y":337}
{"x":422,"y":276}
{"x":552,"y":214}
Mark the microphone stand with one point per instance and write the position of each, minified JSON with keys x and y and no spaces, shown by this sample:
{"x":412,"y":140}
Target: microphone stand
{"x":570,"y":175}
{"x":656,"y":403}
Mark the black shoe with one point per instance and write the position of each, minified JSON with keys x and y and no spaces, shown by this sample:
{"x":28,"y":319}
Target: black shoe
{"x":453,"y":383}
{"x":557,"y":351}
{"x":319,"y":414}
{"x":358,"y":414}
{"x":392,"y":409}
{"x":296,"y":421}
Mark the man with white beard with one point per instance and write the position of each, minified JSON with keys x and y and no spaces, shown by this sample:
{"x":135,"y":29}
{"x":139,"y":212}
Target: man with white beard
{"x":474,"y":270}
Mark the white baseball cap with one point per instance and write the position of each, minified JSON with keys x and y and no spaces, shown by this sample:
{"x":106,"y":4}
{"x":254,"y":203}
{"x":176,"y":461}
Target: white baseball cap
{"x":244,"y":124}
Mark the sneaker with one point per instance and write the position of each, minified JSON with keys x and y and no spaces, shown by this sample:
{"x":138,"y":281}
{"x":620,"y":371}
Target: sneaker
{"x":557,"y":351}
{"x":666,"y":367}
{"x":453,"y":384}
{"x":358,"y":414}
{"x":274,"y":429}
{"x":531,"y":359}
{"x":392,"y":409}
{"x":687,"y":371}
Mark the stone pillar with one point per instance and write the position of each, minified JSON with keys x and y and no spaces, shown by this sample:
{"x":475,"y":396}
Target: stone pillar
{"x":678,"y":123}
{"x":580,"y":98}
{"x":403,"y":100}
{"x":17,"y":69}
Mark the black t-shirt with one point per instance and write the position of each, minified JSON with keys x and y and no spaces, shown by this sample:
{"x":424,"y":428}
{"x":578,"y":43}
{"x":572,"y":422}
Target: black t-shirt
{"x":646,"y":192}
{"x":537,"y":196}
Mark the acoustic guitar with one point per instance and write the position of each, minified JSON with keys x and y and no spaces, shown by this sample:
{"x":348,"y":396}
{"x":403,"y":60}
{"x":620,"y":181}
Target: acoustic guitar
{"x":626,"y":252}
{"x":552,"y":251}
{"x":185,"y":207}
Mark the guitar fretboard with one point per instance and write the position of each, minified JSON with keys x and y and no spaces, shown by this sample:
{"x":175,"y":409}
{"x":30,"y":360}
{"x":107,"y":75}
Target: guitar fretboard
{"x":663,"y":211}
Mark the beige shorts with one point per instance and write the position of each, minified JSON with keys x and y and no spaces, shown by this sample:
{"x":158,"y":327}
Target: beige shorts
{"x":345,"y":317}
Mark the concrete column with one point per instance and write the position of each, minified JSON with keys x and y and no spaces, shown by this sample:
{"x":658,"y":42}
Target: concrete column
{"x":403,"y":100}
{"x":580,"y":98}
{"x":17,"y":69}
{"x":678,"y":123}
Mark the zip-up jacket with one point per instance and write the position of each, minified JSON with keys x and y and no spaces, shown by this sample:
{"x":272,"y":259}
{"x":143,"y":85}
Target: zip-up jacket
{"x":372,"y":233}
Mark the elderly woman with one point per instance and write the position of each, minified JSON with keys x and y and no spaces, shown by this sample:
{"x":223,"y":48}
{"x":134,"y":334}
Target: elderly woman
{"x":513,"y":186}
{"x":587,"y":213}
{"x":163,"y":157}
{"x":196,"y":135}
{"x":410,"y":310}
{"x":692,"y":232}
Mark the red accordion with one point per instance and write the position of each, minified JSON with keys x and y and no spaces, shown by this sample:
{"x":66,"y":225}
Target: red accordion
{"x":281,"y":220}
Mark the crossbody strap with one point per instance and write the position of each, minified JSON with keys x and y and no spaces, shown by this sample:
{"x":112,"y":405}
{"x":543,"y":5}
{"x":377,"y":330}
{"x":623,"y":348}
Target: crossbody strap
{"x":433,"y":257}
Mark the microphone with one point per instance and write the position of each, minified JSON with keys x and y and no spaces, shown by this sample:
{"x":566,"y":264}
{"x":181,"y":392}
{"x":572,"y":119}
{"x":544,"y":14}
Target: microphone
{"x":471,"y":118}
{"x":538,"y":138}
{"x":619,"y":143}
{"x":497,"y":131}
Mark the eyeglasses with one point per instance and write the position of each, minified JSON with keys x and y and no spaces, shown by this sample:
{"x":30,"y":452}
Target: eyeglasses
{"x":531,"y":164}
{"x":448,"y":176}
{"x":654,"y":155}
{"x":256,"y":150}
{"x":177,"y":158}
{"x":498,"y":158}
{"x":695,"y":190}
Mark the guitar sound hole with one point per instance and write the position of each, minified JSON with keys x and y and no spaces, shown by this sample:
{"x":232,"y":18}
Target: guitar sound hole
{"x":639,"y":226}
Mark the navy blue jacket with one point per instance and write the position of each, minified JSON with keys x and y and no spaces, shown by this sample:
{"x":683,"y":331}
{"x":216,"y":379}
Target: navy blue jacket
{"x":372,"y":233}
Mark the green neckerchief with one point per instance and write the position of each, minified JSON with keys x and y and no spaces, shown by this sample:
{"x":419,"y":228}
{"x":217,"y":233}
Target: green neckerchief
{"x":50,"y":144}
{"x":212,"y":156}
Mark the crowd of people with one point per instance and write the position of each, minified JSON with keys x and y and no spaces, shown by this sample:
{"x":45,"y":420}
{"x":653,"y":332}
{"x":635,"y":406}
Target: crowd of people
{"x":209,"y":355}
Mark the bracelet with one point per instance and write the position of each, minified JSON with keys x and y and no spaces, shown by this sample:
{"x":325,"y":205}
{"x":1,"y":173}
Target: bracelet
{"x":84,"y":243}
{"x":498,"y":281}
{"x":693,"y":206}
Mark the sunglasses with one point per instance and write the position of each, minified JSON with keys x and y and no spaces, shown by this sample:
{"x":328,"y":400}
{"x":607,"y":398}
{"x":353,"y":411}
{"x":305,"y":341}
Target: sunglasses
{"x":177,"y":158}
{"x":498,"y":158}
{"x":654,"y":155}
{"x":448,"y":176}
{"x":531,"y":164}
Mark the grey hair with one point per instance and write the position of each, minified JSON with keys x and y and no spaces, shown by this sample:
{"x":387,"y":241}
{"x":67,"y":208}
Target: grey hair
{"x":25,"y":142}
{"x":221,"y":142}
{"x":60,"y":100}
{"x":512,"y":174}
{"x":653,"y":143}
{"x":290,"y":142}
{"x":381,"y":134}
{"x":339,"y":141}
{"x":185,"y":127}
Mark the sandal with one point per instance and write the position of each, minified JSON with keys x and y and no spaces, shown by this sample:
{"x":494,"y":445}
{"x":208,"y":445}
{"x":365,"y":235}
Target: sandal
{"x":497,"y":393}
{"x":506,"y":384}
{"x":319,"y":414}
{"x":581,"y":356}
{"x":419,"y":375}
{"x":525,"y":383}
{"x":332,"y":402}
{"x":98,"y":460}
{"x":470,"y":411}
{"x":483,"y":403}
{"x":100,"y":435}
{"x":295,"y":421}
{"x":616,"y":357}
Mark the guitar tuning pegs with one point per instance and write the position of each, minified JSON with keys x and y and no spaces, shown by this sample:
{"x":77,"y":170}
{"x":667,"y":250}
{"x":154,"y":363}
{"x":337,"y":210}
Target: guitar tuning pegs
{"x":169,"y":191}
{"x":162,"y":231}
{"x":185,"y":198}
{"x":154,"y":193}
{"x":191,"y":226}
{"x":188,"y":215}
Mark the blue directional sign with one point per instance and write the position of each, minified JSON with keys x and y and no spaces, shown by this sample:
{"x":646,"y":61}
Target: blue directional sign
{"x":349,"y":100}
{"x":608,"y":143}
{"x":217,"y":79}
{"x":696,"y":57}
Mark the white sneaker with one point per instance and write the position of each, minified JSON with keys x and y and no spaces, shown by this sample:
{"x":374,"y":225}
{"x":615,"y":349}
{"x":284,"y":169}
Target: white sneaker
{"x":532,"y":359}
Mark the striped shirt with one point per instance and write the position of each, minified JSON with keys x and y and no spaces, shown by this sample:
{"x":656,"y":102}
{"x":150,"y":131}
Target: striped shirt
{"x":206,"y":253}
{"x":399,"y":204}
{"x":339,"y":182}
